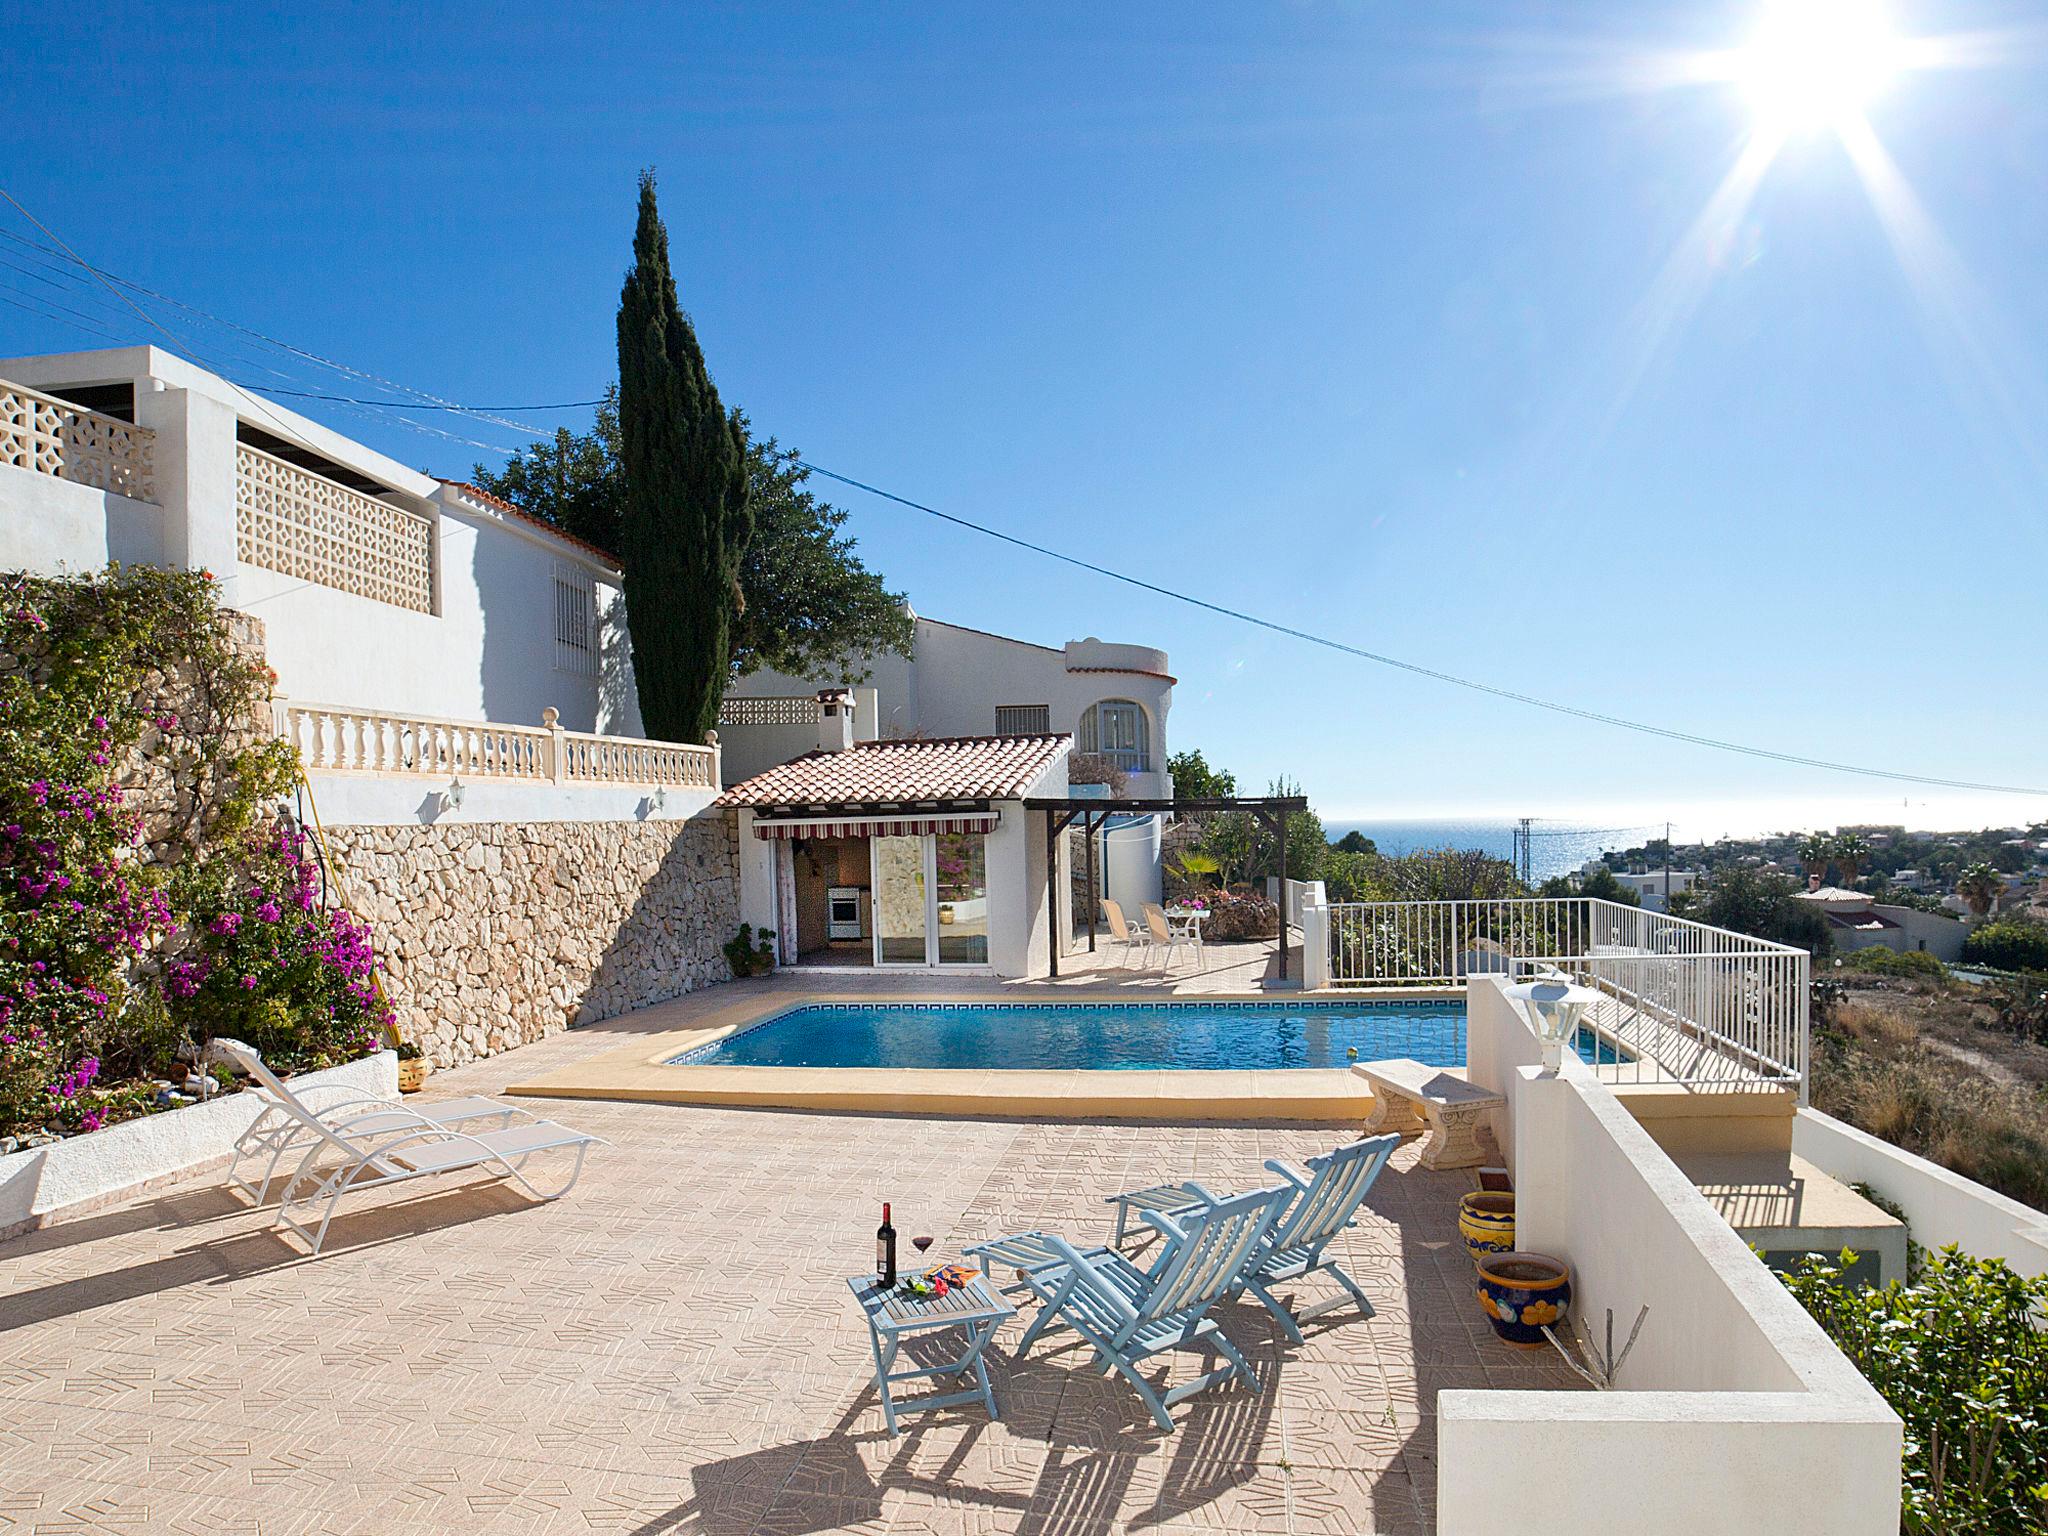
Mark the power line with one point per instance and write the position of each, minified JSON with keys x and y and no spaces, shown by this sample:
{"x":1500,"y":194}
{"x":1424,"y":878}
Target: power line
{"x":114,"y":283}
{"x":432,"y":402}
{"x":1436,"y":674}
{"x":418,"y":405}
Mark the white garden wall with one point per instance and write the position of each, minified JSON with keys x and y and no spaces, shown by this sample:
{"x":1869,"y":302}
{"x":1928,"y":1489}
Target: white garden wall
{"x":54,"y":526}
{"x":82,"y":1173}
{"x":1751,"y":1416}
{"x":1941,"y":1207}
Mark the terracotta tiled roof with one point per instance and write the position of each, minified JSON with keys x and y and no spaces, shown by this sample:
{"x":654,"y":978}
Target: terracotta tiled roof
{"x":904,"y":772}
{"x":503,"y":505}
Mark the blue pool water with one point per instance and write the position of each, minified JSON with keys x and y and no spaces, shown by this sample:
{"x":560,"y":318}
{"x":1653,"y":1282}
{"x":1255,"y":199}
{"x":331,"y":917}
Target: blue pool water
{"x":1096,"y":1036}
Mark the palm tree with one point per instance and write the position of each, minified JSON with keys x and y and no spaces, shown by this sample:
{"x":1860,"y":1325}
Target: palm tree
{"x":1979,"y":886}
{"x":1814,"y":854}
{"x":1850,"y":852}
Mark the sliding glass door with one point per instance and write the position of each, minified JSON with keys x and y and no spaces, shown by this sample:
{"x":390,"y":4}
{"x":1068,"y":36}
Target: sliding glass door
{"x":960,"y":861}
{"x":931,"y":900}
{"x":902,"y":901}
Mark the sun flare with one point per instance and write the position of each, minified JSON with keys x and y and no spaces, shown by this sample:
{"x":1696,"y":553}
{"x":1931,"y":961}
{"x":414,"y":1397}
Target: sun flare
{"x":1815,"y":64}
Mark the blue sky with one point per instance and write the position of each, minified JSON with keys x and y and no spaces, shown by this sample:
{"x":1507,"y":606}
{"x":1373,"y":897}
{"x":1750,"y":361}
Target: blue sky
{"x":1382,"y":321}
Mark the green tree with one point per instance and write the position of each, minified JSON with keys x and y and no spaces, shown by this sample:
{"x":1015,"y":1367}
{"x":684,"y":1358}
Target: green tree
{"x":1763,"y":906}
{"x":1600,"y":884}
{"x":1814,"y":854}
{"x":2012,"y":943}
{"x":811,"y":607}
{"x":688,"y":518}
{"x":1979,"y":886}
{"x":1194,"y":779}
{"x":1852,"y":852}
{"x":572,"y":482}
{"x":1306,"y":844}
{"x":1355,"y":841}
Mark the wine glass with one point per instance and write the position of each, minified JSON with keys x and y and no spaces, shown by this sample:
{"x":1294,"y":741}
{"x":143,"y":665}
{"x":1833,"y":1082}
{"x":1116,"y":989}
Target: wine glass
{"x":922,"y":1243}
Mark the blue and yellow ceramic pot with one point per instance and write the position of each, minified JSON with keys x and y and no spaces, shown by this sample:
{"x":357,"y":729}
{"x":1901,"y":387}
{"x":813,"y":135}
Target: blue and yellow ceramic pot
{"x":1520,"y":1292}
{"x":1486,"y":1221}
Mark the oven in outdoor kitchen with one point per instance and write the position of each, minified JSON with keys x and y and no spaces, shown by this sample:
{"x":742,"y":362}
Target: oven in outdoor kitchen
{"x":846,"y":912}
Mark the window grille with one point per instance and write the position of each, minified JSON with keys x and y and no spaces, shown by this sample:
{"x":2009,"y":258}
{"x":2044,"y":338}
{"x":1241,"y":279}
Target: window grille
{"x":1023,"y":720}
{"x":1115,"y":729}
{"x":575,"y":621}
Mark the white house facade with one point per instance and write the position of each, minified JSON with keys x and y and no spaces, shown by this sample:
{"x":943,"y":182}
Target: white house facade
{"x":380,"y":588}
{"x":904,"y":855}
{"x":1111,"y":700}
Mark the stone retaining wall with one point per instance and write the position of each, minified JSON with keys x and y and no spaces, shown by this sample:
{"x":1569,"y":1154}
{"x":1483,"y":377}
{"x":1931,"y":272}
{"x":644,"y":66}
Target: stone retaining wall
{"x":495,"y":934}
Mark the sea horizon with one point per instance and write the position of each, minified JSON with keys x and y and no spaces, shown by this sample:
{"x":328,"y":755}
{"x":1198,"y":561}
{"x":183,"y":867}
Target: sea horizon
{"x":1559,"y":846}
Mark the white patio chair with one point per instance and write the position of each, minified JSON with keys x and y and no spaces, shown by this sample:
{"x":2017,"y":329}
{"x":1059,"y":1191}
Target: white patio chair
{"x":394,"y":1143}
{"x":1166,"y":937}
{"x":1120,"y":932}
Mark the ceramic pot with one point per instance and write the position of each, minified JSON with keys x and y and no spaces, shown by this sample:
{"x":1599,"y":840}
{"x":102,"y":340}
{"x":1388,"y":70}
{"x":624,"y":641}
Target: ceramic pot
{"x":1487,"y":1223}
{"x":1520,"y":1292}
{"x":412,"y":1075}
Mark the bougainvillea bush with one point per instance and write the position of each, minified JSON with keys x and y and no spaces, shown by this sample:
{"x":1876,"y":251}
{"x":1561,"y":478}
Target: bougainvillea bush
{"x":106,"y":893}
{"x":270,"y":965}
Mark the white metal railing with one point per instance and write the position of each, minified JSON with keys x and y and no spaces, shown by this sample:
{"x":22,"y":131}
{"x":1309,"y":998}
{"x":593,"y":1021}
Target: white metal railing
{"x":54,"y":437}
{"x":290,"y":520}
{"x":1685,"y":1002}
{"x":769,"y":709}
{"x":333,"y":738}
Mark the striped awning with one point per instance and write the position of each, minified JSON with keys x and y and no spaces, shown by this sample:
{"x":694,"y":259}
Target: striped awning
{"x":875,"y":826}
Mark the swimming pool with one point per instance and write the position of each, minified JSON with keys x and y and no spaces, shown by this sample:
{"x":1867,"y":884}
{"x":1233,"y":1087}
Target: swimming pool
{"x":1111,"y":1037}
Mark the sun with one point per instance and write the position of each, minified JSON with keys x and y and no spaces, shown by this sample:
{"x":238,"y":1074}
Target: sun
{"x":1817,"y":63}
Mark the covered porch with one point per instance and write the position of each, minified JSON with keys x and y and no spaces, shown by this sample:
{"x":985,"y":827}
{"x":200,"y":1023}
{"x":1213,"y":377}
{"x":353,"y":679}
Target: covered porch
{"x":1076,"y":943}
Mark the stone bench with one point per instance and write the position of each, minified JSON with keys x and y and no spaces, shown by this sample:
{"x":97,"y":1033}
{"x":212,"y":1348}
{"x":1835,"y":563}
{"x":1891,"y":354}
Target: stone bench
{"x":1406,"y":1093}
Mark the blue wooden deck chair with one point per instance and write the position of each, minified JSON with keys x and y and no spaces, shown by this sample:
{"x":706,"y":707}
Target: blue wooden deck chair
{"x":1130,"y":1314}
{"x":1326,"y":1202}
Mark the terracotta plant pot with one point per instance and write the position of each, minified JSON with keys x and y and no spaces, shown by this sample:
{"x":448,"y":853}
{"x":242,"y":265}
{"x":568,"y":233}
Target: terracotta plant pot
{"x":1487,"y":1223}
{"x":1520,"y":1292}
{"x":412,"y":1075}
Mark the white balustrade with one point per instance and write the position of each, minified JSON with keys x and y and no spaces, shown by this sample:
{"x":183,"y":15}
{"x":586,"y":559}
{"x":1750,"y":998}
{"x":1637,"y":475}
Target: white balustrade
{"x":290,"y":520}
{"x":54,"y":437}
{"x":1685,"y":1002}
{"x":334,"y":739}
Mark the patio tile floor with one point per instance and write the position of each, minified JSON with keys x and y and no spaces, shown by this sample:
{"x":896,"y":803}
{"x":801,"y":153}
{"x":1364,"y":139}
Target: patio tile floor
{"x":671,"y":1349}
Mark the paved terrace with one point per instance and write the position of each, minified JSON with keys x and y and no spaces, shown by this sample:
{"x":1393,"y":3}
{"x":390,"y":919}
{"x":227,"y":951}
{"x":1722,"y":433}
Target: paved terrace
{"x":672,"y":1348}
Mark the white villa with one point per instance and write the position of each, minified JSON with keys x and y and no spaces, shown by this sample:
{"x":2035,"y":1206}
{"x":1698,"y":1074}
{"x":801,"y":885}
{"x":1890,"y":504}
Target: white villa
{"x":675,"y":1346}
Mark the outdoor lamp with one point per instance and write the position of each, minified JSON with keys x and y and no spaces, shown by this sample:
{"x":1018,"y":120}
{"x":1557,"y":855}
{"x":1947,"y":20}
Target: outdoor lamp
{"x":1553,"y":1005}
{"x":451,"y":797}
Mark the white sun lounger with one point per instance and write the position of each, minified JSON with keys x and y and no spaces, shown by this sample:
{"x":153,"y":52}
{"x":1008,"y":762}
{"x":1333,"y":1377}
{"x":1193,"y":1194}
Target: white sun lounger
{"x":376,"y":1142}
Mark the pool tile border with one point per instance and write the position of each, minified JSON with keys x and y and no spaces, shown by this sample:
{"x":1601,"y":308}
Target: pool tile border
{"x":642,"y":1073}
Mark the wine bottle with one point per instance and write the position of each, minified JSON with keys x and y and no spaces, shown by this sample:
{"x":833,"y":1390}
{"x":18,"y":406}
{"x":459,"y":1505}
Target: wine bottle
{"x":885,"y":1250}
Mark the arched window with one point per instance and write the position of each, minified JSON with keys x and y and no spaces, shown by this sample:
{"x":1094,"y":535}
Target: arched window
{"x":1115,"y":729}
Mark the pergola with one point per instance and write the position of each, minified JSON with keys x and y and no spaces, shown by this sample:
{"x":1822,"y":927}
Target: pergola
{"x":1271,"y":810}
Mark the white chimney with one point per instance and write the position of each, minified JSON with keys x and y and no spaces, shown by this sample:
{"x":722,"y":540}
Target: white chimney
{"x":835,"y":719}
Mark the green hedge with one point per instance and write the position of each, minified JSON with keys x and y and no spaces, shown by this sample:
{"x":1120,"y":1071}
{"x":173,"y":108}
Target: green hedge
{"x":1961,"y":1354}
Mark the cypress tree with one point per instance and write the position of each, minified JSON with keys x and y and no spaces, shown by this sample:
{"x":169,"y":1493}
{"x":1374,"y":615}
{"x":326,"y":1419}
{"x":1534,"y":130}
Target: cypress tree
{"x":687,"y":517}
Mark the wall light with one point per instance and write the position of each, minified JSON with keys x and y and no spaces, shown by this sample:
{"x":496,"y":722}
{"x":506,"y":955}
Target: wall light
{"x":451,"y":797}
{"x":1554,"y":1006}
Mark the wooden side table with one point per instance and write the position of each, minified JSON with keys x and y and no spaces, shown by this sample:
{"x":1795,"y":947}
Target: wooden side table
{"x":894,"y":1314}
